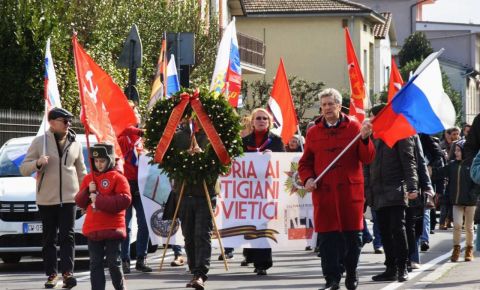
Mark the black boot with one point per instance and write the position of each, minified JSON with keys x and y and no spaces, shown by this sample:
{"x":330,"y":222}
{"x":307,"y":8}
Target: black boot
{"x":126,"y":267}
{"x":390,"y":274}
{"x":331,"y":285}
{"x":351,"y":280}
{"x":142,"y":266}
{"x":402,"y":275}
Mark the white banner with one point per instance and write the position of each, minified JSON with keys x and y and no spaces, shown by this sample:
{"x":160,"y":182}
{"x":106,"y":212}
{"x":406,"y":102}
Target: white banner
{"x":154,"y":188}
{"x":260,"y":205}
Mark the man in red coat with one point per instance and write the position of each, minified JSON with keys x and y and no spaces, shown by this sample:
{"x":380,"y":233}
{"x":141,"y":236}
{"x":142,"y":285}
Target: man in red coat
{"x":338,"y":196}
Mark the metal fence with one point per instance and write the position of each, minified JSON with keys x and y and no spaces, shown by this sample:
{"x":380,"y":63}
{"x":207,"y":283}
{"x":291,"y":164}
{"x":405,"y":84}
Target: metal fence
{"x":14,"y":124}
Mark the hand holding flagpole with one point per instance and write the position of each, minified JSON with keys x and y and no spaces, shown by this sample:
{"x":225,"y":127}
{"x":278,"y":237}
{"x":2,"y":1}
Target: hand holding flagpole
{"x":448,"y":111}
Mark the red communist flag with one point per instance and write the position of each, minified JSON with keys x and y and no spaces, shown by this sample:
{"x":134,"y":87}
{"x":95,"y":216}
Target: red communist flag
{"x":396,"y":81}
{"x":281,"y":105}
{"x":105,"y":109}
{"x":357,"y":84}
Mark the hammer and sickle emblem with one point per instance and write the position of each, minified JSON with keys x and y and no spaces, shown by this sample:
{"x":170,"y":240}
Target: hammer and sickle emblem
{"x":92,"y":91}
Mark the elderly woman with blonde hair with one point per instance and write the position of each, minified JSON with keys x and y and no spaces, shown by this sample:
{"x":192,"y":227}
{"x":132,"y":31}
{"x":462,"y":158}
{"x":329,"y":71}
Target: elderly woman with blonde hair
{"x":261,"y":140}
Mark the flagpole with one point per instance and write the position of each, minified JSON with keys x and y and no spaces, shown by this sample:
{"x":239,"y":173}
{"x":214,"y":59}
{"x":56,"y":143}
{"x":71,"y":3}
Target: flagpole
{"x":45,"y":99}
{"x":45,"y":120}
{"x":411,"y":79}
{"x":373,"y":120}
{"x":300,"y":137}
{"x":338,"y":157}
{"x":165,"y":65}
{"x":87,"y":134}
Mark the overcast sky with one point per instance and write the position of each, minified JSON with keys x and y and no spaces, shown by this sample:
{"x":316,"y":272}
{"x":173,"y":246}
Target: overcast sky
{"x":461,"y":11}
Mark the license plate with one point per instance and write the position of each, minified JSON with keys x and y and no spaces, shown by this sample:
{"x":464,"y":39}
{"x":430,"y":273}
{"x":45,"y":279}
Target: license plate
{"x":29,"y":228}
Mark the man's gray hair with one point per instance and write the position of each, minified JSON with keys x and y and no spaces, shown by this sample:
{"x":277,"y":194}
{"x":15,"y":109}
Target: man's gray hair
{"x":331,"y":92}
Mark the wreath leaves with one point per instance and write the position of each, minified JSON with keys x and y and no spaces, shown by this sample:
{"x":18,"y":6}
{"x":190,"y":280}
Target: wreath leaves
{"x":180,"y":165}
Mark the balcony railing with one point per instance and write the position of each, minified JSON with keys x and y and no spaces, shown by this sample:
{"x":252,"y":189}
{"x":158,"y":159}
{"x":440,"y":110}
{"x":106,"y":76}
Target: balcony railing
{"x":252,"y":50}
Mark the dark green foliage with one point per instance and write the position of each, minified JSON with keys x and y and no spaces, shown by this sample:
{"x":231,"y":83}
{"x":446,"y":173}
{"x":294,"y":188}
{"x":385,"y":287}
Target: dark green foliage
{"x":102,"y":26}
{"x":304,"y":95}
{"x":255,"y":95}
{"x":381,"y":97}
{"x":416,"y":47}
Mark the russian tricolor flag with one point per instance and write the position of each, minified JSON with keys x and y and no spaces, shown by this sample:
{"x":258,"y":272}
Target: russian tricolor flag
{"x":51,"y":94}
{"x":227,"y":75}
{"x":421,"y":106}
{"x":173,"y":84}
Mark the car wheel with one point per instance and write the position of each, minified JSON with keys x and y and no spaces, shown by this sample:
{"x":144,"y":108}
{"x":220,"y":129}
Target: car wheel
{"x":11,"y":258}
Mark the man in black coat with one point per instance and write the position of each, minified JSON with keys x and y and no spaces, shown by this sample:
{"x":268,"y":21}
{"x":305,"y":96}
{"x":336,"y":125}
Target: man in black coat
{"x":393,"y":181}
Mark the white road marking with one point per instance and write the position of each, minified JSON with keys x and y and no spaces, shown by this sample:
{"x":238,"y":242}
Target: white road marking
{"x":438,"y":272}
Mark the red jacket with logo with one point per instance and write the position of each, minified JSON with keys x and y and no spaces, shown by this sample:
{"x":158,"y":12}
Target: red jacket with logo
{"x":339,"y":197}
{"x":107,"y":220}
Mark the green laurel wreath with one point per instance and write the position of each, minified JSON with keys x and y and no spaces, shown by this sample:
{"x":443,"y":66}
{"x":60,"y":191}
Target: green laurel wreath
{"x":179,"y":164}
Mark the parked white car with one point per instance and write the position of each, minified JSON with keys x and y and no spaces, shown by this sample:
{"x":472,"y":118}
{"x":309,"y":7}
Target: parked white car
{"x":20,"y":222}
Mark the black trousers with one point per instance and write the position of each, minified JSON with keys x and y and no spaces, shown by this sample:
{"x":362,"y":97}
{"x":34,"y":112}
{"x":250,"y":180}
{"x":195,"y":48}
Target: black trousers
{"x":433,"y":218}
{"x":339,"y":251}
{"x":110,"y":249}
{"x":391,"y":222}
{"x":58,"y":222}
{"x":197,"y":226}
{"x":413,"y":227}
{"x":260,"y":257}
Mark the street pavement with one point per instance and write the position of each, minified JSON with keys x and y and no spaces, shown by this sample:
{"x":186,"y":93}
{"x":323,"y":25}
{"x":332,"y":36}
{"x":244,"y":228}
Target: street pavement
{"x":296,"y":269}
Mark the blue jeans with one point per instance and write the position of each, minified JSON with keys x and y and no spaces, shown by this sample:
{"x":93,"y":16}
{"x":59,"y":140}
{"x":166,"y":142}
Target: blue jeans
{"x":377,"y":239}
{"x":142,"y":233}
{"x":414,"y":255}
{"x":366,"y":235}
{"x":111,"y":249}
{"x":177,"y":250}
{"x":425,"y":237}
{"x":477,"y":240}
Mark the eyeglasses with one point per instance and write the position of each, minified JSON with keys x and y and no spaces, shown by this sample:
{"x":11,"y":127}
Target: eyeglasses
{"x":65,"y":121}
{"x":261,"y":118}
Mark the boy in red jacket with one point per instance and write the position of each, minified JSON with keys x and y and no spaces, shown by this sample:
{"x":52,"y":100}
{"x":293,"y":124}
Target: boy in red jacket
{"x":105,"y":194}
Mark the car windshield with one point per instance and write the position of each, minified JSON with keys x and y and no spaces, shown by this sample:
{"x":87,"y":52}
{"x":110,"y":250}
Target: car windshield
{"x":11,"y":157}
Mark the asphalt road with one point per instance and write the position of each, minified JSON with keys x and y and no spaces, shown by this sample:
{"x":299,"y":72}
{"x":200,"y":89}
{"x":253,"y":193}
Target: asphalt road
{"x":296,"y":269}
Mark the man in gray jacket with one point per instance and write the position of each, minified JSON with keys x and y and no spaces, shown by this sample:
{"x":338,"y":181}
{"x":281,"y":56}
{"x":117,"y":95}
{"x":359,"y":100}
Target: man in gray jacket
{"x":393,"y":181}
{"x":57,"y":159}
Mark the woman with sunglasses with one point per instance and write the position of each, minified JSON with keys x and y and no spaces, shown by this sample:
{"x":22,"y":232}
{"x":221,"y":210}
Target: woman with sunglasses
{"x":261,"y":140}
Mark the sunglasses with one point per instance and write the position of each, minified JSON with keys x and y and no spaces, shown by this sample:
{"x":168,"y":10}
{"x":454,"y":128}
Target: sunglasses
{"x":65,"y":121}
{"x":261,"y":118}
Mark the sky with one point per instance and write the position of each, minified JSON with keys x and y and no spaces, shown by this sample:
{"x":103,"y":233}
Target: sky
{"x":459,"y":11}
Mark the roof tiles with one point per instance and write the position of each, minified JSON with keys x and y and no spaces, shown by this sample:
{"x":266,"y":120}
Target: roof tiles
{"x":302,"y":6}
{"x":381,"y":30}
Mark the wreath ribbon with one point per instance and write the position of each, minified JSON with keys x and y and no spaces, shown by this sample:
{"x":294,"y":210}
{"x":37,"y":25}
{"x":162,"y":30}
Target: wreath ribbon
{"x":205,"y":122}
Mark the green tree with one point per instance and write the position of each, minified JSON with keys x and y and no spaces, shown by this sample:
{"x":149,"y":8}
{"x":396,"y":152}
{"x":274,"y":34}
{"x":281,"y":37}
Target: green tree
{"x":255,"y":95}
{"x":416,"y":47}
{"x":102,"y":26}
{"x":304,"y":94}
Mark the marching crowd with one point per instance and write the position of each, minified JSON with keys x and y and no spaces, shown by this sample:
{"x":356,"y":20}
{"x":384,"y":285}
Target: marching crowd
{"x":402,"y":185}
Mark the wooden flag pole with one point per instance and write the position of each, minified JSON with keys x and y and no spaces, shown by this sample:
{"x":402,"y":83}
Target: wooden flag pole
{"x":215,"y":228}
{"x":173,"y":224}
